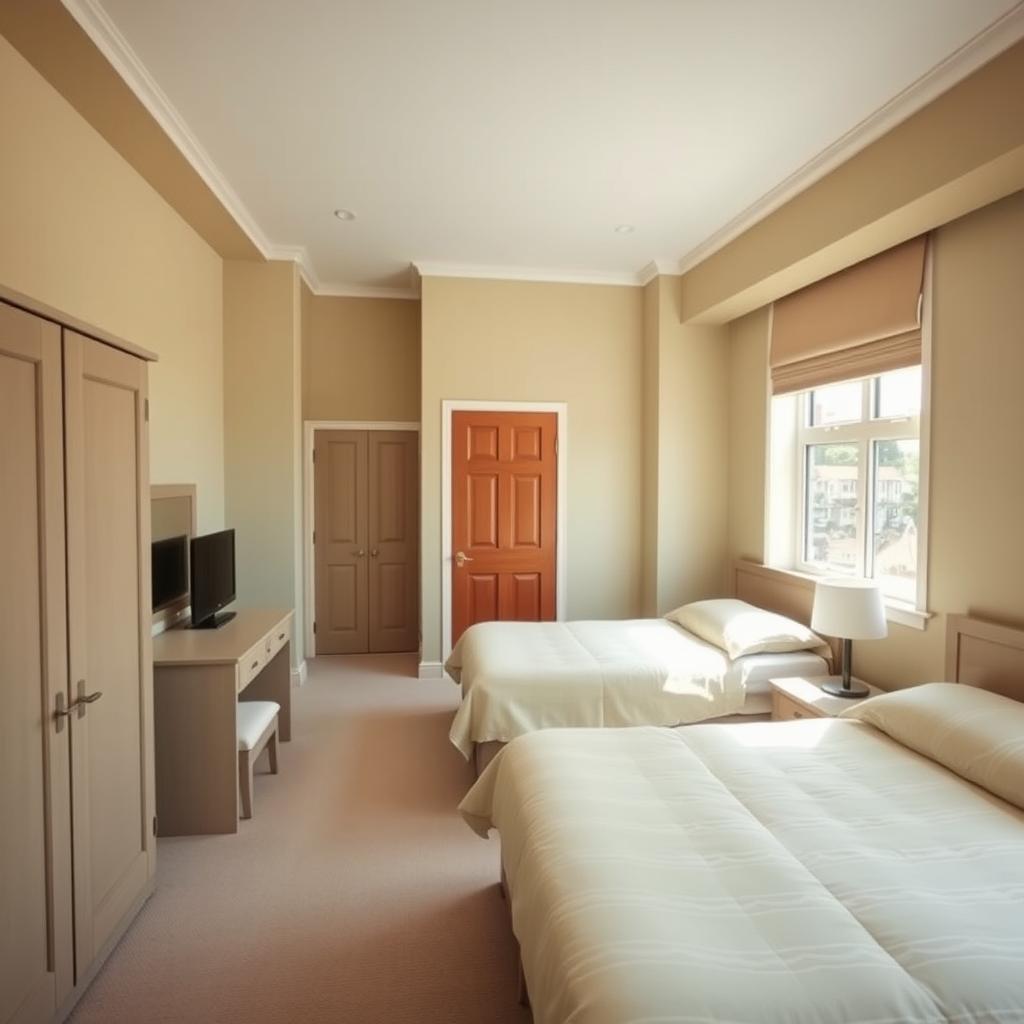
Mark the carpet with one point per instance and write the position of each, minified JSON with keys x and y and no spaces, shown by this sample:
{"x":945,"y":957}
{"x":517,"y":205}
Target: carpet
{"x":355,"y":893}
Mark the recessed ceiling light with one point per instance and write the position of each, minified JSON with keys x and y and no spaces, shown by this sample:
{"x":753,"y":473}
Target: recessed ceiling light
{"x":344,"y":215}
{"x":624,"y":229}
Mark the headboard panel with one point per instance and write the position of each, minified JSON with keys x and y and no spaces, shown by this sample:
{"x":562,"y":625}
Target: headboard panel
{"x":986,"y":655}
{"x":786,"y":593}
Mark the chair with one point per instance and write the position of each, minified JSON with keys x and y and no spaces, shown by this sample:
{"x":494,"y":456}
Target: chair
{"x":257,"y":728}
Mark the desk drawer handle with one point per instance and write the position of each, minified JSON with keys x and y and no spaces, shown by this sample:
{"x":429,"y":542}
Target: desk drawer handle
{"x":280,"y":636}
{"x":798,"y":714}
{"x":255,"y":664}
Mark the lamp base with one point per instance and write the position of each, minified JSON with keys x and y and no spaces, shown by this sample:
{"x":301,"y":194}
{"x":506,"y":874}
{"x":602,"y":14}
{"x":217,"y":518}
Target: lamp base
{"x":834,"y":686}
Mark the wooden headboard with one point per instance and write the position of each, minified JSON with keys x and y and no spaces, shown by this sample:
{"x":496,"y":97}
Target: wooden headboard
{"x":984,"y":654}
{"x":786,"y":593}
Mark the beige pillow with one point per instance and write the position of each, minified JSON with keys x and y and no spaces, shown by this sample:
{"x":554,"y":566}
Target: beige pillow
{"x":974,"y":733}
{"x":739,"y":628}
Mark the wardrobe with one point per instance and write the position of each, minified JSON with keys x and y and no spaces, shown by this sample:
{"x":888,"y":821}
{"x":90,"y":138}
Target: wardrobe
{"x":77,"y":846}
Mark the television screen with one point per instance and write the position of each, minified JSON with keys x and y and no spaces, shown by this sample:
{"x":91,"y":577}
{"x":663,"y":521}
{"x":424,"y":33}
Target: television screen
{"x":212,"y":574}
{"x":170,"y":570}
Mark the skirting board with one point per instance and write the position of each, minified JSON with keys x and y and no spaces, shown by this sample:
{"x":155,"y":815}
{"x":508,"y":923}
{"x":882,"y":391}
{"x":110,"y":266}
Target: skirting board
{"x":298,"y":675}
{"x":431,"y":670}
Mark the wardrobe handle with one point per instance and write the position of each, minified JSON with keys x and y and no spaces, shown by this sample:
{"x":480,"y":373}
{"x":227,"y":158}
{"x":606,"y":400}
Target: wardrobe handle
{"x":374,"y":553}
{"x":61,"y":712}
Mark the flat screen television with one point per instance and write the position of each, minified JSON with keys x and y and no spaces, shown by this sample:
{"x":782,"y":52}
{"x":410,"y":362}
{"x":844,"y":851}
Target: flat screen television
{"x":212,"y":573}
{"x":170,"y":571}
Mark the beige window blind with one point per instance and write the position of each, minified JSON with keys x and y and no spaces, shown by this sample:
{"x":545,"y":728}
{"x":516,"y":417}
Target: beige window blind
{"x":862,"y":321}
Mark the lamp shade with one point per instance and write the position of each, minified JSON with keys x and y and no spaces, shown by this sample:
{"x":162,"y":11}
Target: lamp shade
{"x":849,"y":609}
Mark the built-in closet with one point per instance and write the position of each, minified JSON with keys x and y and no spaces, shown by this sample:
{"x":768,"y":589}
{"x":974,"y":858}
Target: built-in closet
{"x":77,"y":846}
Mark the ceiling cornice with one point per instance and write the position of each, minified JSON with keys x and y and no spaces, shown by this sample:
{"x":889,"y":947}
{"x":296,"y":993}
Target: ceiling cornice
{"x":974,"y":54}
{"x":108,"y":39}
{"x":553,"y":275}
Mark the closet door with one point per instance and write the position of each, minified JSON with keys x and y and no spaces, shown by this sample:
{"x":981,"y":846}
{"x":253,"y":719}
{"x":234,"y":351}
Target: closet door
{"x":340,"y":541}
{"x":35,"y":813}
{"x":394,"y":540}
{"x":110,"y":661}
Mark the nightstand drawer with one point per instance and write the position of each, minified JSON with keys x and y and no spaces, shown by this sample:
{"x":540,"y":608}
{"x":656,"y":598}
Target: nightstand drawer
{"x":786,"y":710}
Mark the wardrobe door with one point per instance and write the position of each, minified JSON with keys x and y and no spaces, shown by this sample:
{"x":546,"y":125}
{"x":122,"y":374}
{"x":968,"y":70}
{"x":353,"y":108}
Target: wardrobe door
{"x":393,"y":492}
{"x":35,"y":814}
{"x":110,"y":663}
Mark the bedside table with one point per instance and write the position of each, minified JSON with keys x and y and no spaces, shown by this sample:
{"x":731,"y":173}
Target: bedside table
{"x":802,"y":697}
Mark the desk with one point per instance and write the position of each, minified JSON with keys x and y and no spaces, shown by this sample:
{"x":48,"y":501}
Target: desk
{"x":199,"y":675}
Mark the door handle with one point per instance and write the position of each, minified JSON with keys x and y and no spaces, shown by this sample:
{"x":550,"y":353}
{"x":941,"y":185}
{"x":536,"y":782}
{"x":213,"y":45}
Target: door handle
{"x":461,"y":558}
{"x":61,"y":712}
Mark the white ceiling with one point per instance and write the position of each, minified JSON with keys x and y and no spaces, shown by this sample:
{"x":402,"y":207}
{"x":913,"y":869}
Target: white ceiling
{"x":516,"y":134}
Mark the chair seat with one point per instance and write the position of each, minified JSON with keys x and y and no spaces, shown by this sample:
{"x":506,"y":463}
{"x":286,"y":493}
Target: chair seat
{"x":254,"y":716}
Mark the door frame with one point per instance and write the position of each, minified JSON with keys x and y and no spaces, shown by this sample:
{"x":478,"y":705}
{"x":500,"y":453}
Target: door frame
{"x":452,"y":405}
{"x":309,"y":429}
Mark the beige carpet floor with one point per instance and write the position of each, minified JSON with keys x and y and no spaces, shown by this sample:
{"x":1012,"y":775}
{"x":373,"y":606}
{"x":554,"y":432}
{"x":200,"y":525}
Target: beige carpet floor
{"x":356,"y":894}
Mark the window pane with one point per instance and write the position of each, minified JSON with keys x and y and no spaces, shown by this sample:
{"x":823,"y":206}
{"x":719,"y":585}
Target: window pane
{"x":898,"y":393}
{"x":896,"y":480}
{"x":837,"y":403}
{"x":830,"y":534}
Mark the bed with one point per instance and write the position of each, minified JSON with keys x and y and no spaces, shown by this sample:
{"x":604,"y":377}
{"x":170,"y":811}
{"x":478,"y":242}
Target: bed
{"x":518,"y":677}
{"x":859,"y":869}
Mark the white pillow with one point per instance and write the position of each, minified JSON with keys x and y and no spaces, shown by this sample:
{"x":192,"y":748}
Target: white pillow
{"x":976,"y":734}
{"x":739,"y":628}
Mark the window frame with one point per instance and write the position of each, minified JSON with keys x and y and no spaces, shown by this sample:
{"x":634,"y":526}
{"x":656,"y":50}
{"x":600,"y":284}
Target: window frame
{"x":864,"y":433}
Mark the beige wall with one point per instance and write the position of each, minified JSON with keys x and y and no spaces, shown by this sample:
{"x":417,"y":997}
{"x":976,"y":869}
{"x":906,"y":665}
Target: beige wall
{"x":262,"y":368}
{"x":82,"y":232}
{"x":524,"y":341}
{"x":651,"y":436}
{"x":685,"y":453}
{"x":361,"y":359}
{"x":976,"y":561}
{"x":748,"y":417}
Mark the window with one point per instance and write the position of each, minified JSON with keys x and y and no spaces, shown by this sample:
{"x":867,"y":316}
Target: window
{"x":846,"y":482}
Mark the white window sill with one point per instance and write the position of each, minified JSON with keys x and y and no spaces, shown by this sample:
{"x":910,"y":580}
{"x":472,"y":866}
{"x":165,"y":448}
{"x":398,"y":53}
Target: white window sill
{"x":906,"y":614}
{"x":901,"y":612}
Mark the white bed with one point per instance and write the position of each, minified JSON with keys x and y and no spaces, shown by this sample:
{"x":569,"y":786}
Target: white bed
{"x":800,"y":872}
{"x":518,"y":677}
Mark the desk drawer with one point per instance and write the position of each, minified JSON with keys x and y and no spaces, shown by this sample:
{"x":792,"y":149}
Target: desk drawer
{"x":276,"y":639}
{"x":249,"y":666}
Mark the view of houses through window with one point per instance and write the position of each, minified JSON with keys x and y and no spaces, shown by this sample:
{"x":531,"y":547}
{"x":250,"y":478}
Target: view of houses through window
{"x":860,"y":447}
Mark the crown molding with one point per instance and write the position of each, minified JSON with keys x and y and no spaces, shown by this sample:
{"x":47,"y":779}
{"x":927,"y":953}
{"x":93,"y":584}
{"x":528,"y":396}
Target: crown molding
{"x":974,"y":54}
{"x":106,"y":36}
{"x":108,"y":39}
{"x":986,"y":45}
{"x":656,"y":268}
{"x":360,"y":291}
{"x":550,"y":275}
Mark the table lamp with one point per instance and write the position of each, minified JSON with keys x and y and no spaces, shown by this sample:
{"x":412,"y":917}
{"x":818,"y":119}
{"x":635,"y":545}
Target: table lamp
{"x":849,"y":609}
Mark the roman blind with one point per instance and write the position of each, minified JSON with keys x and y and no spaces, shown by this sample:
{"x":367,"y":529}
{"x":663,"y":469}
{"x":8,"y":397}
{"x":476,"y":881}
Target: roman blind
{"x":862,"y":321}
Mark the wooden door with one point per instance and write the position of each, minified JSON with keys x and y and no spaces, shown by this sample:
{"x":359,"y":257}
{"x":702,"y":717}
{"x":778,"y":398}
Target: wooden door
{"x":341,"y":541}
{"x":394,"y":540}
{"x":36,"y":965}
{"x":106,"y":453}
{"x":504,"y":517}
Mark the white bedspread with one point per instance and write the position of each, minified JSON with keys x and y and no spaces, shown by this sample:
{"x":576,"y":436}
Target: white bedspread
{"x":518,"y":677}
{"x":801,"y":873}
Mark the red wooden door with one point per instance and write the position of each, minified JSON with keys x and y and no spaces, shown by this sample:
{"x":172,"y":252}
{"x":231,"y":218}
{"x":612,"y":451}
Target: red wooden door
{"x":504,"y":514}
